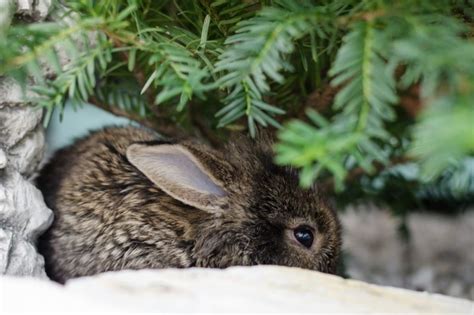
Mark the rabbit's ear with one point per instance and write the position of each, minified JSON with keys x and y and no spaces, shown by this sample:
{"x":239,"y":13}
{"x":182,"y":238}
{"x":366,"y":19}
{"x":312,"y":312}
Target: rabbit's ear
{"x":179,"y":173}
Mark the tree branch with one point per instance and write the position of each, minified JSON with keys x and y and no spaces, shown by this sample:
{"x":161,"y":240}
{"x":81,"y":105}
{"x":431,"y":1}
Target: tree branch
{"x":321,"y":100}
{"x":160,"y":121}
{"x":166,"y":128}
{"x":140,"y":76}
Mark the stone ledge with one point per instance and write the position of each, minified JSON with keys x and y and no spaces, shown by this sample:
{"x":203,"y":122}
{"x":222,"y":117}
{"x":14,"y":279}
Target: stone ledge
{"x":236,"y":289}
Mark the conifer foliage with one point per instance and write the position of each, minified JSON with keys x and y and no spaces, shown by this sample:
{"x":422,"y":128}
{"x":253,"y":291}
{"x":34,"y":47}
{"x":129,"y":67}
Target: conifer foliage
{"x":254,"y":64}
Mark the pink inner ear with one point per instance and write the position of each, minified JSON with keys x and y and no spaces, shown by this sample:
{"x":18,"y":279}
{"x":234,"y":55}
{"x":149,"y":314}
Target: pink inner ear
{"x":179,"y":168}
{"x":176,"y":171}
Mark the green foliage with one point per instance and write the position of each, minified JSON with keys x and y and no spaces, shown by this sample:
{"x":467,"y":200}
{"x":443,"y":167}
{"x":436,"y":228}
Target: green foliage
{"x":256,"y":64}
{"x":28,"y":48}
{"x":362,"y":104}
{"x":445,"y":134}
{"x":176,"y":72}
{"x":75,"y":82}
{"x":258,"y":52}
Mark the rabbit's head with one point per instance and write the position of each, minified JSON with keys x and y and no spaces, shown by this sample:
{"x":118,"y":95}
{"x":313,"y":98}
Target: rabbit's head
{"x":253,"y":211}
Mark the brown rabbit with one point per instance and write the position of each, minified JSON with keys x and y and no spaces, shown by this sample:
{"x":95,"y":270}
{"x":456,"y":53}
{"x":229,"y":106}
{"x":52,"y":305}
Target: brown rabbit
{"x":124,"y":200}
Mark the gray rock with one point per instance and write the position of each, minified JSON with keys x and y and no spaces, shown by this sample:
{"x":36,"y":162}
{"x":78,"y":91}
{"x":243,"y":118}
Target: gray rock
{"x":19,"y":213}
{"x":42,"y":8}
{"x":237,"y":289}
{"x":423,"y":279}
{"x":23,"y":213}
{"x":27,"y":154}
{"x":16,"y":122}
{"x":24,"y":6}
{"x":35,"y":10}
{"x":439,"y":257}
{"x":3,"y":159}
{"x":11,"y":92}
{"x":22,"y":137}
{"x":23,"y":216}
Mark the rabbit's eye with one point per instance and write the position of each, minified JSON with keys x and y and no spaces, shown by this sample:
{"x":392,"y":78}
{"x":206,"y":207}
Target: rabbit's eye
{"x":304,"y":235}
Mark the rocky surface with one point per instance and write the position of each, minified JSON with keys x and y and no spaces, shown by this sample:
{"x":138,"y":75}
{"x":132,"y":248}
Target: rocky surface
{"x":237,"y":289}
{"x":23,"y":213}
{"x":439,"y":258}
{"x":35,"y":10}
{"x":23,"y":216}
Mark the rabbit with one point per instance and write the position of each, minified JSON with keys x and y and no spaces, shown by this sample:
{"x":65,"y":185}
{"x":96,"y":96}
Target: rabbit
{"x":124,"y":199}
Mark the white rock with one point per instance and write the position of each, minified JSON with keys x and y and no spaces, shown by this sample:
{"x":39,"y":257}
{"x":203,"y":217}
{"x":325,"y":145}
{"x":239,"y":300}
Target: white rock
{"x":237,"y":289}
{"x":16,"y":122}
{"x":36,"y":10}
{"x":6,"y":239}
{"x":24,"y":6}
{"x":27,"y":154}
{"x":3,"y":159}
{"x":23,"y":213}
{"x":23,"y":217}
{"x":42,"y":8}
{"x":22,"y":136}
{"x":10,"y":92}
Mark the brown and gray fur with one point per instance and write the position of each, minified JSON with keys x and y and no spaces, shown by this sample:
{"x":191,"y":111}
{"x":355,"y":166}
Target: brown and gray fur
{"x":112,"y":215}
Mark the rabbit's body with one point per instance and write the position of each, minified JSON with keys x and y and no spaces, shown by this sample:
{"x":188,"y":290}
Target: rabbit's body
{"x":123,"y":200}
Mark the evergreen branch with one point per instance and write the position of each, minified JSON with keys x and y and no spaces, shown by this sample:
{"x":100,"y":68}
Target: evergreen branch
{"x":367,"y":78}
{"x":138,"y":73}
{"x":118,"y":111}
{"x":162,"y":126}
{"x":271,"y":52}
{"x":77,"y":82}
{"x":316,"y":147}
{"x":354,"y":174}
{"x":443,"y":138}
{"x":365,"y":101}
{"x":56,"y":34}
{"x":176,"y":71}
{"x":257,"y":53}
{"x":370,"y":91}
